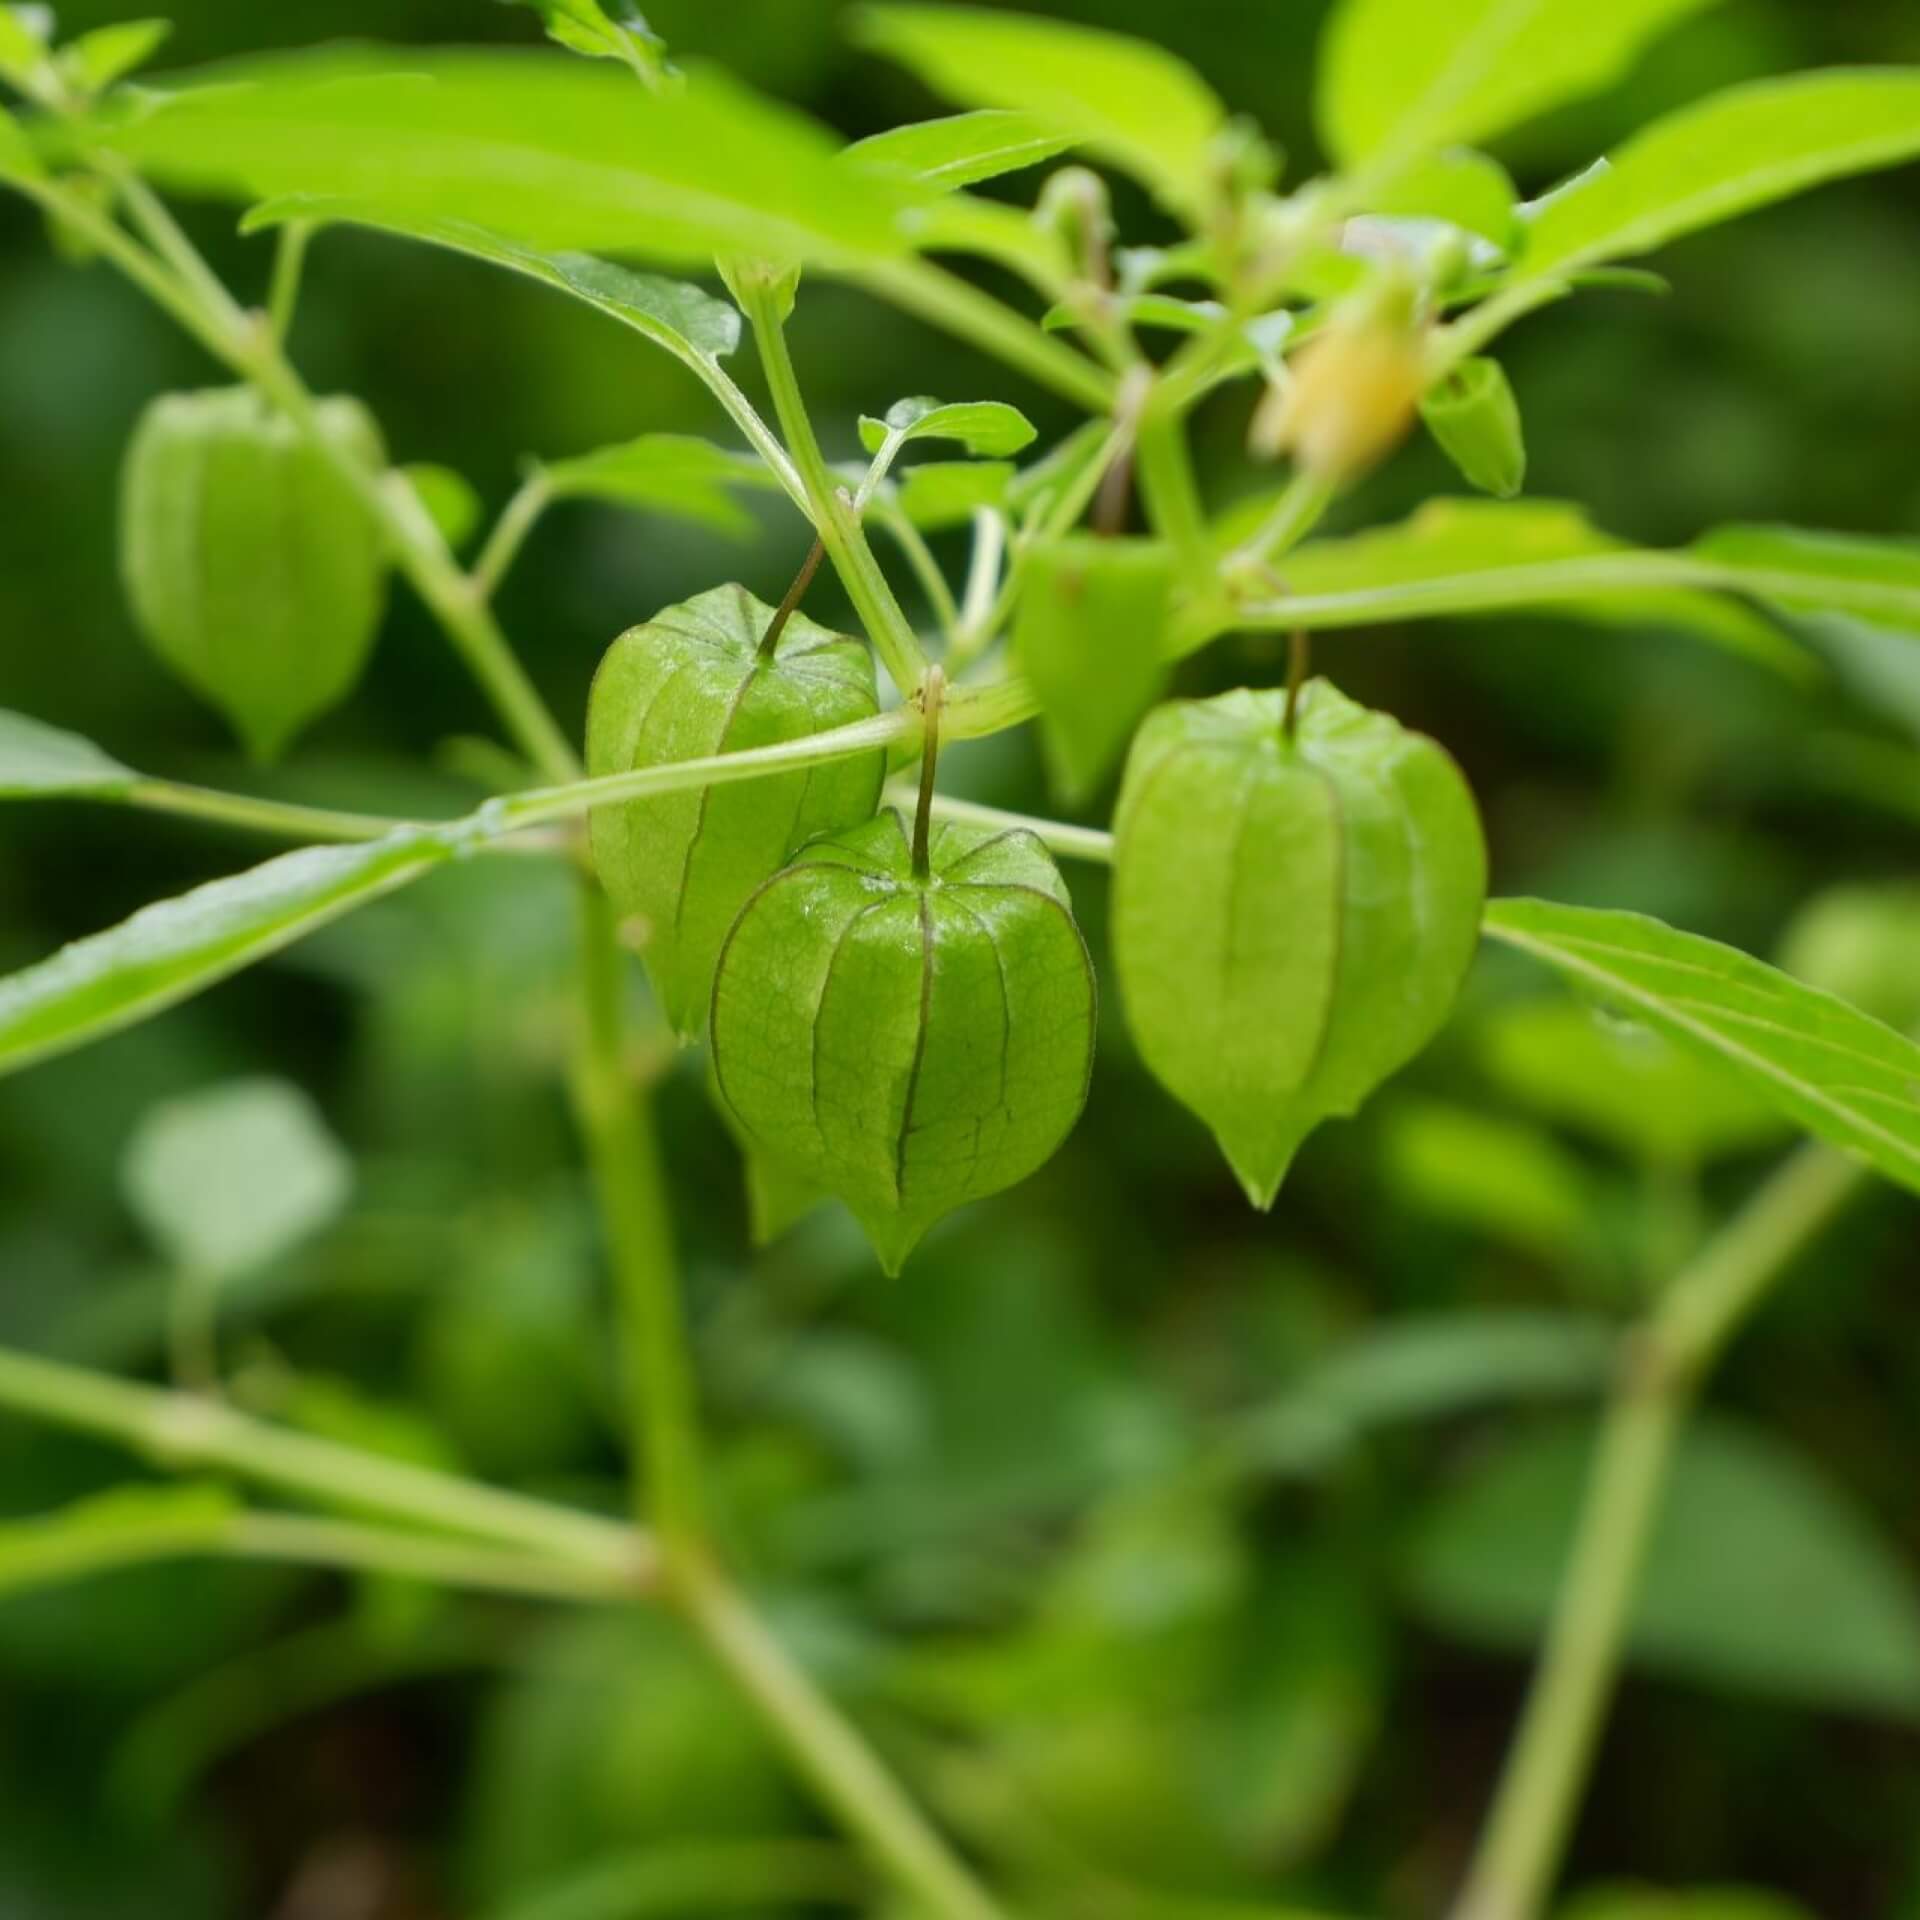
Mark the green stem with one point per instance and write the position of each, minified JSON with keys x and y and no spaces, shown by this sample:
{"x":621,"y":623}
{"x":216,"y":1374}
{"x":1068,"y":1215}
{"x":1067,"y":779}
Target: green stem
{"x":972,"y":629}
{"x":517,"y":519}
{"x":351,"y":1548}
{"x":1070,"y":842}
{"x":617,"y":1123}
{"x":539,"y":804}
{"x":1474,"y":329}
{"x":193,"y":1333}
{"x":1527,"y":1830}
{"x":259,"y":816}
{"x":926,"y":569}
{"x":121,"y":250}
{"x":833,"y":517}
{"x":56,"y":1548}
{"x":1295,"y":514}
{"x":289,"y":262}
{"x":1167,"y":485}
{"x":182,"y":1432}
{"x":841,"y":1766}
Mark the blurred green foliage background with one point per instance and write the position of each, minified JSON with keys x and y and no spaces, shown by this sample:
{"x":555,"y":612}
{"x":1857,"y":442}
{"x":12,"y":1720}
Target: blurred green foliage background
{"x":1127,"y":1518}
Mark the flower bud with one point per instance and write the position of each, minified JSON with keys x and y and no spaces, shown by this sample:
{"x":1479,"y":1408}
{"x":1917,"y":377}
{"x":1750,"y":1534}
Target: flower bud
{"x":1351,"y":396}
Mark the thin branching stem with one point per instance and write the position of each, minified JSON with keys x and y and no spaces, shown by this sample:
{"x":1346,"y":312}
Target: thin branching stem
{"x":1527,"y":1829}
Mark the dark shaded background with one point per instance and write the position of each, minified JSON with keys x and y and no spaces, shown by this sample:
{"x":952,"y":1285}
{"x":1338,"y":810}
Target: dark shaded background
{"x":909,"y":1466}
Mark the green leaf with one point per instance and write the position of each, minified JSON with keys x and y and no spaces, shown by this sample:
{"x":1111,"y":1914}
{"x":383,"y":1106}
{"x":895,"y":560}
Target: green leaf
{"x":1132,"y":103}
{"x":947,"y":493}
{"x":1432,"y":1366}
{"x":95,"y":61}
{"x":690,"y":682}
{"x":1725,"y":155}
{"x":256,"y":570}
{"x":18,"y":161}
{"x":962,"y":149}
{"x":1466,"y":556}
{"x":1751,"y":1545}
{"x":448,"y":499}
{"x":1839,"y":1074}
{"x":908,"y":1041}
{"x":1142,"y":310}
{"x":1090,"y":635}
{"x":227,"y":1180}
{"x":965,"y":223}
{"x":667,"y":473}
{"x":1399,"y":77}
{"x":1632,"y":1089}
{"x":1463,"y":188}
{"x":1474,"y":417}
{"x":114,"y":1529}
{"x":175,"y":948}
{"x":988,"y":427}
{"x":24,"y":32}
{"x":1293,"y":913}
{"x":1859,"y":941}
{"x":1490,"y":1176}
{"x":617,"y":1733}
{"x":690,"y":323}
{"x":37,"y":759}
{"x":549,"y":154}
{"x":584,"y":26}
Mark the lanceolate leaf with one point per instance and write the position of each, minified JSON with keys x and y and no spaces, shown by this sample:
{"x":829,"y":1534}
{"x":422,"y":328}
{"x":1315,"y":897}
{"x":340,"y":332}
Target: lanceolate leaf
{"x":1633,"y":1090}
{"x":1462,"y":556}
{"x":963,"y":149}
{"x":946,"y":493}
{"x":1841,"y":1075}
{"x":1821,"y":572}
{"x":553,"y":154}
{"x":1401,"y":76}
{"x":1425,"y":1367}
{"x":1731,"y":152}
{"x":689,"y":322}
{"x":1752,"y":1545}
{"x":1131,"y":102}
{"x":668,"y":473}
{"x":96,"y":60}
{"x":169,"y":951}
{"x":1091,"y":637}
{"x":37,"y":759}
